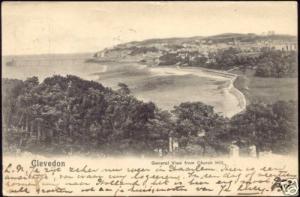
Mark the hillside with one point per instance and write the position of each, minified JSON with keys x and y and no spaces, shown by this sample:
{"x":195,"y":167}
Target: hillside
{"x":66,"y":115}
{"x":149,"y":51}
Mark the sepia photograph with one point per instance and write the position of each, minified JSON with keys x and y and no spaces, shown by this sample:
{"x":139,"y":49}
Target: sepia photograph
{"x":150,"y":98}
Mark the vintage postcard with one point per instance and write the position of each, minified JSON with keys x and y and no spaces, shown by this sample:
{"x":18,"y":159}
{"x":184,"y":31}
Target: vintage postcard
{"x":150,"y":98}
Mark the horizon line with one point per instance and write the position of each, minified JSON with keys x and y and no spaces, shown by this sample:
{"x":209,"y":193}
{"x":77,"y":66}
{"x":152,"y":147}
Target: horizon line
{"x":87,"y":52}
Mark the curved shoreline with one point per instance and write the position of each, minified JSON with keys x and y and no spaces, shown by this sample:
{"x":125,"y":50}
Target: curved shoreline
{"x":238,"y":99}
{"x":229,"y":87}
{"x":239,"y":95}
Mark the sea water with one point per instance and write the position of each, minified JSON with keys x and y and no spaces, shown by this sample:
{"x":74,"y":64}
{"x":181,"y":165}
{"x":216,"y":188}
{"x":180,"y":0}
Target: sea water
{"x":165,"y":86}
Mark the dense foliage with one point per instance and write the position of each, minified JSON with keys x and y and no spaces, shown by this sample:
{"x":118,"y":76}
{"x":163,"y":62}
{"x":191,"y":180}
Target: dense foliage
{"x":68,"y":114}
{"x":269,"y":127}
{"x":142,"y":50}
{"x":232,"y":57}
{"x":200,"y":130}
{"x":277,"y":64}
{"x":266,"y":62}
{"x":183,"y":58}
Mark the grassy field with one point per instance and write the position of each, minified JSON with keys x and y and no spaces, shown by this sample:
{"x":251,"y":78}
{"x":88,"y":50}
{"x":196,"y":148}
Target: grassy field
{"x":267,"y":90}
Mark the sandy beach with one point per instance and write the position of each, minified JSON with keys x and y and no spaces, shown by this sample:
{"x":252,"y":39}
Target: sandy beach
{"x":236,"y":99}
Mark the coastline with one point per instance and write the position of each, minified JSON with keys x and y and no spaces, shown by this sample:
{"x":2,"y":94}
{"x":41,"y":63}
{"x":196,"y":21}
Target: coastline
{"x":240,"y":96}
{"x":230,"y":87}
{"x":234,"y":104}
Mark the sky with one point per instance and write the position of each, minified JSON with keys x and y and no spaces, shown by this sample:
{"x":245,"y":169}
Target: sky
{"x":78,"y":27}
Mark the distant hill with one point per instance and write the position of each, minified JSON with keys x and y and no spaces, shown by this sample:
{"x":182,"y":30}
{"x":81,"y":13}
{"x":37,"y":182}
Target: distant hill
{"x":151,"y":49}
{"x":219,"y":37}
{"x":168,"y":40}
{"x":251,"y":37}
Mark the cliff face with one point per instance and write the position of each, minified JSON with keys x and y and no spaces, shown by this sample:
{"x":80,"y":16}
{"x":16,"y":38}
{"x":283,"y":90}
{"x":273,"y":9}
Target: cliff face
{"x":130,"y":53}
{"x":149,"y":51}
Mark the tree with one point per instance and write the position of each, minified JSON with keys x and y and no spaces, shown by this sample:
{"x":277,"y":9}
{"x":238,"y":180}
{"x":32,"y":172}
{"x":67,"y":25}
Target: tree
{"x":275,"y":63}
{"x":71,"y":114}
{"x":269,"y":127}
{"x":200,"y":125}
{"x":123,"y":89}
